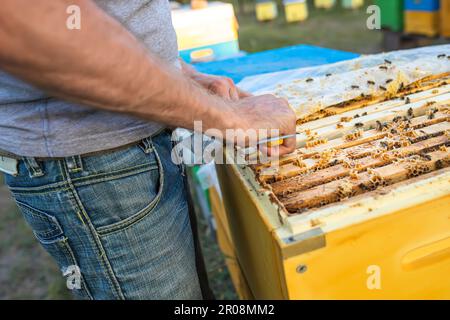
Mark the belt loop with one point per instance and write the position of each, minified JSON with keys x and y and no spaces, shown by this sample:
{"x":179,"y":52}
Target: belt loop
{"x":74,"y":164}
{"x":34,"y":168}
{"x":146,"y":145}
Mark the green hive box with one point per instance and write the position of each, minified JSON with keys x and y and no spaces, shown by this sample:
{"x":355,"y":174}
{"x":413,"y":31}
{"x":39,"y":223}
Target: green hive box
{"x":391,"y":14}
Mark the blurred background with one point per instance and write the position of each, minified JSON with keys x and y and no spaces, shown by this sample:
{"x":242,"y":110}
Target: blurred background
{"x":211,"y":32}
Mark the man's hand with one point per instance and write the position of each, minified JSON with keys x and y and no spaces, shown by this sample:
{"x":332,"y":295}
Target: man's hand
{"x":222,"y":86}
{"x":268,"y":112}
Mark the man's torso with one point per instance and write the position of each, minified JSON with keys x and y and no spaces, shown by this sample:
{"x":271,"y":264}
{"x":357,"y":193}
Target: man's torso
{"x":34,"y":124}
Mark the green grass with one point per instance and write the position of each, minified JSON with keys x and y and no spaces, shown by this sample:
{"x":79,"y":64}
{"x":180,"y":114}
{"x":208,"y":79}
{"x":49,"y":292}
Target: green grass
{"x":336,"y":28}
{"x":26,"y":270}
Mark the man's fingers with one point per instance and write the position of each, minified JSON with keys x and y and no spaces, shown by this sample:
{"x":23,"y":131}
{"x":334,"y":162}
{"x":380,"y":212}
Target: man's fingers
{"x":220,"y":89}
{"x":243,"y":94}
{"x":234,"y":94}
{"x":288,"y":145}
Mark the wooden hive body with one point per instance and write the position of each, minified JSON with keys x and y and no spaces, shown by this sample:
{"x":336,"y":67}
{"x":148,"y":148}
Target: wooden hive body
{"x":371,"y":219}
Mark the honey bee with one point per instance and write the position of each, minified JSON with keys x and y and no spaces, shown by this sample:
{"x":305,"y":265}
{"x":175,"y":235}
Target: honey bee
{"x":309,"y":80}
{"x":425,"y":156}
{"x":372,"y":83}
{"x":397,"y":119}
{"x":380,"y":126}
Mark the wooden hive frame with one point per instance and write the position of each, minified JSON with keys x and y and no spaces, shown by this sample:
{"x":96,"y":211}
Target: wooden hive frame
{"x":357,"y":151}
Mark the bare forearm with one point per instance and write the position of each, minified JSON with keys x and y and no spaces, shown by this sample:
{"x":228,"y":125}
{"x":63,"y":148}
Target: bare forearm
{"x":101,"y":65}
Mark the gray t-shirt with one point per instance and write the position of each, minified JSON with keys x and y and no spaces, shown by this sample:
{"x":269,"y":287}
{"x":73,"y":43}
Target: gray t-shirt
{"x":35,"y":124}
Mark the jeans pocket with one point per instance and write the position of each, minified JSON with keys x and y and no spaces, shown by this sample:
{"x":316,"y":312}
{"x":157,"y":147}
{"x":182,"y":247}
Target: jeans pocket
{"x":142,"y":213}
{"x":50,"y":235}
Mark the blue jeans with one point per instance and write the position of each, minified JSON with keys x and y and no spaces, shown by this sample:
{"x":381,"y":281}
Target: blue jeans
{"x":118,"y":221}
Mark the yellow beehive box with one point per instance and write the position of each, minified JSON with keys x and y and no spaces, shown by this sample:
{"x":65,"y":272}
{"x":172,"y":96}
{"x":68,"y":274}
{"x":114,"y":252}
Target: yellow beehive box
{"x":422,"y":22}
{"x":387,"y":247}
{"x":223,"y":236}
{"x":445,"y":18}
{"x":306,"y":229}
{"x":296,"y":10}
{"x":266,"y":10}
{"x":197,"y":28}
{"x":324,"y":4}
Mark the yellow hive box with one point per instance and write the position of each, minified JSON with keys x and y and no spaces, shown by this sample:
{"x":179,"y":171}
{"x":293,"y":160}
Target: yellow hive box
{"x":445,"y":18}
{"x":398,"y":250}
{"x":336,"y":239}
{"x":223,"y":235}
{"x":325,"y":4}
{"x":266,"y":11}
{"x":211,"y":25}
{"x":422,"y":22}
{"x":296,"y":10}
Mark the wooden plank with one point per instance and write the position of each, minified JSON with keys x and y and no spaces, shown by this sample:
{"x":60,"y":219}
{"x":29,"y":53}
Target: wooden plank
{"x":370,"y":121}
{"x":368,"y":136}
{"x":418,"y":86}
{"x":334,"y":120}
{"x":341,"y":189}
